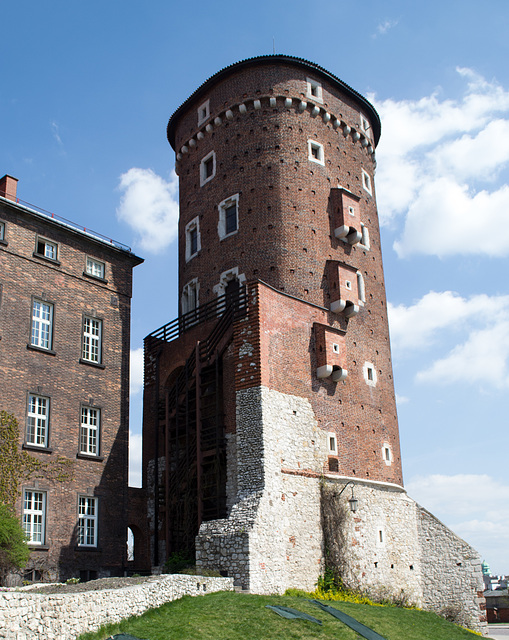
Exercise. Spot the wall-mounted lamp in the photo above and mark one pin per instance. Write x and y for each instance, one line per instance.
(353, 500)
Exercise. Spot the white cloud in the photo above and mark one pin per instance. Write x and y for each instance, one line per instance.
(136, 371)
(474, 506)
(384, 27)
(55, 130)
(438, 163)
(135, 459)
(401, 400)
(149, 205)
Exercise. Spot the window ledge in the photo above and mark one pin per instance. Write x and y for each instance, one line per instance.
(84, 548)
(37, 547)
(96, 278)
(33, 347)
(98, 365)
(50, 260)
(229, 235)
(34, 447)
(89, 456)
(4, 242)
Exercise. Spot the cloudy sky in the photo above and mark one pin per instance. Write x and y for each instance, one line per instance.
(85, 96)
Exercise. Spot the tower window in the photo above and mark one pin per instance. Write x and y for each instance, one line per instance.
(366, 182)
(207, 168)
(365, 126)
(387, 454)
(193, 238)
(315, 152)
(190, 296)
(228, 217)
(369, 374)
(314, 90)
(333, 443)
(365, 236)
(203, 112)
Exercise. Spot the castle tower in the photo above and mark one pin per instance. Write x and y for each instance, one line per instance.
(273, 392)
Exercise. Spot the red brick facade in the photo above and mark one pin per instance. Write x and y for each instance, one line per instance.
(73, 380)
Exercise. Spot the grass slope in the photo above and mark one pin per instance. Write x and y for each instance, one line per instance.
(232, 616)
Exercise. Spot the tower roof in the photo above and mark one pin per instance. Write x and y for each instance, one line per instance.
(269, 59)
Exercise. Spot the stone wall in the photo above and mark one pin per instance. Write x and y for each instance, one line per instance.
(28, 615)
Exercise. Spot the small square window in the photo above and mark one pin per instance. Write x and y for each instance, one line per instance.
(315, 152)
(207, 168)
(348, 285)
(95, 268)
(314, 90)
(335, 347)
(46, 249)
(366, 182)
(351, 210)
(203, 112)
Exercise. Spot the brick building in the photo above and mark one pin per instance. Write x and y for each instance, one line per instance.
(269, 404)
(65, 296)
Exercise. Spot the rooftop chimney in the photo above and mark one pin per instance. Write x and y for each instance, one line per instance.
(8, 186)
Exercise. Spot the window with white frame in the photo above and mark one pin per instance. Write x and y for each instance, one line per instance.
(314, 90)
(361, 288)
(315, 152)
(42, 325)
(333, 443)
(387, 454)
(193, 238)
(46, 249)
(365, 126)
(203, 112)
(37, 421)
(364, 236)
(94, 268)
(34, 516)
(190, 296)
(207, 168)
(87, 521)
(369, 373)
(92, 339)
(90, 426)
(366, 182)
(228, 217)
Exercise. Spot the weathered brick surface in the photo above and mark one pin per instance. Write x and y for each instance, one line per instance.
(67, 382)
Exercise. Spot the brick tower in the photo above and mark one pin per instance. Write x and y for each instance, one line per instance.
(272, 392)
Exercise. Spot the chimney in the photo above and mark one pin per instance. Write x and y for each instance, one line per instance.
(8, 186)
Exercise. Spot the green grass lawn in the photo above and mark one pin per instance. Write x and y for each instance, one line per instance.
(232, 616)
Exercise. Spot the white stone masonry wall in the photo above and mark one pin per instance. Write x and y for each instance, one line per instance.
(29, 616)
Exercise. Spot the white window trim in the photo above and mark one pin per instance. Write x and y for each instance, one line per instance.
(91, 345)
(41, 333)
(230, 274)
(48, 244)
(365, 237)
(95, 268)
(203, 112)
(361, 288)
(192, 285)
(90, 431)
(369, 366)
(363, 122)
(313, 144)
(367, 182)
(33, 518)
(333, 450)
(387, 454)
(221, 225)
(203, 177)
(190, 226)
(87, 522)
(314, 84)
(37, 421)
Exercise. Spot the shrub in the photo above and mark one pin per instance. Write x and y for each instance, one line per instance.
(14, 552)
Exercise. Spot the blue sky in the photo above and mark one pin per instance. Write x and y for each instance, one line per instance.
(86, 91)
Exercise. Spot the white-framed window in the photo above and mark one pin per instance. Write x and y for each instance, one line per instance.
(94, 268)
(361, 288)
(387, 454)
(90, 429)
(190, 292)
(34, 516)
(203, 112)
(365, 126)
(193, 238)
(228, 217)
(332, 443)
(46, 248)
(364, 236)
(207, 168)
(92, 340)
(314, 90)
(87, 521)
(315, 152)
(366, 182)
(369, 373)
(351, 210)
(335, 347)
(42, 325)
(37, 421)
(348, 285)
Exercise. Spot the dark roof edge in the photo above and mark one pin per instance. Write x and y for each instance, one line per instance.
(249, 62)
